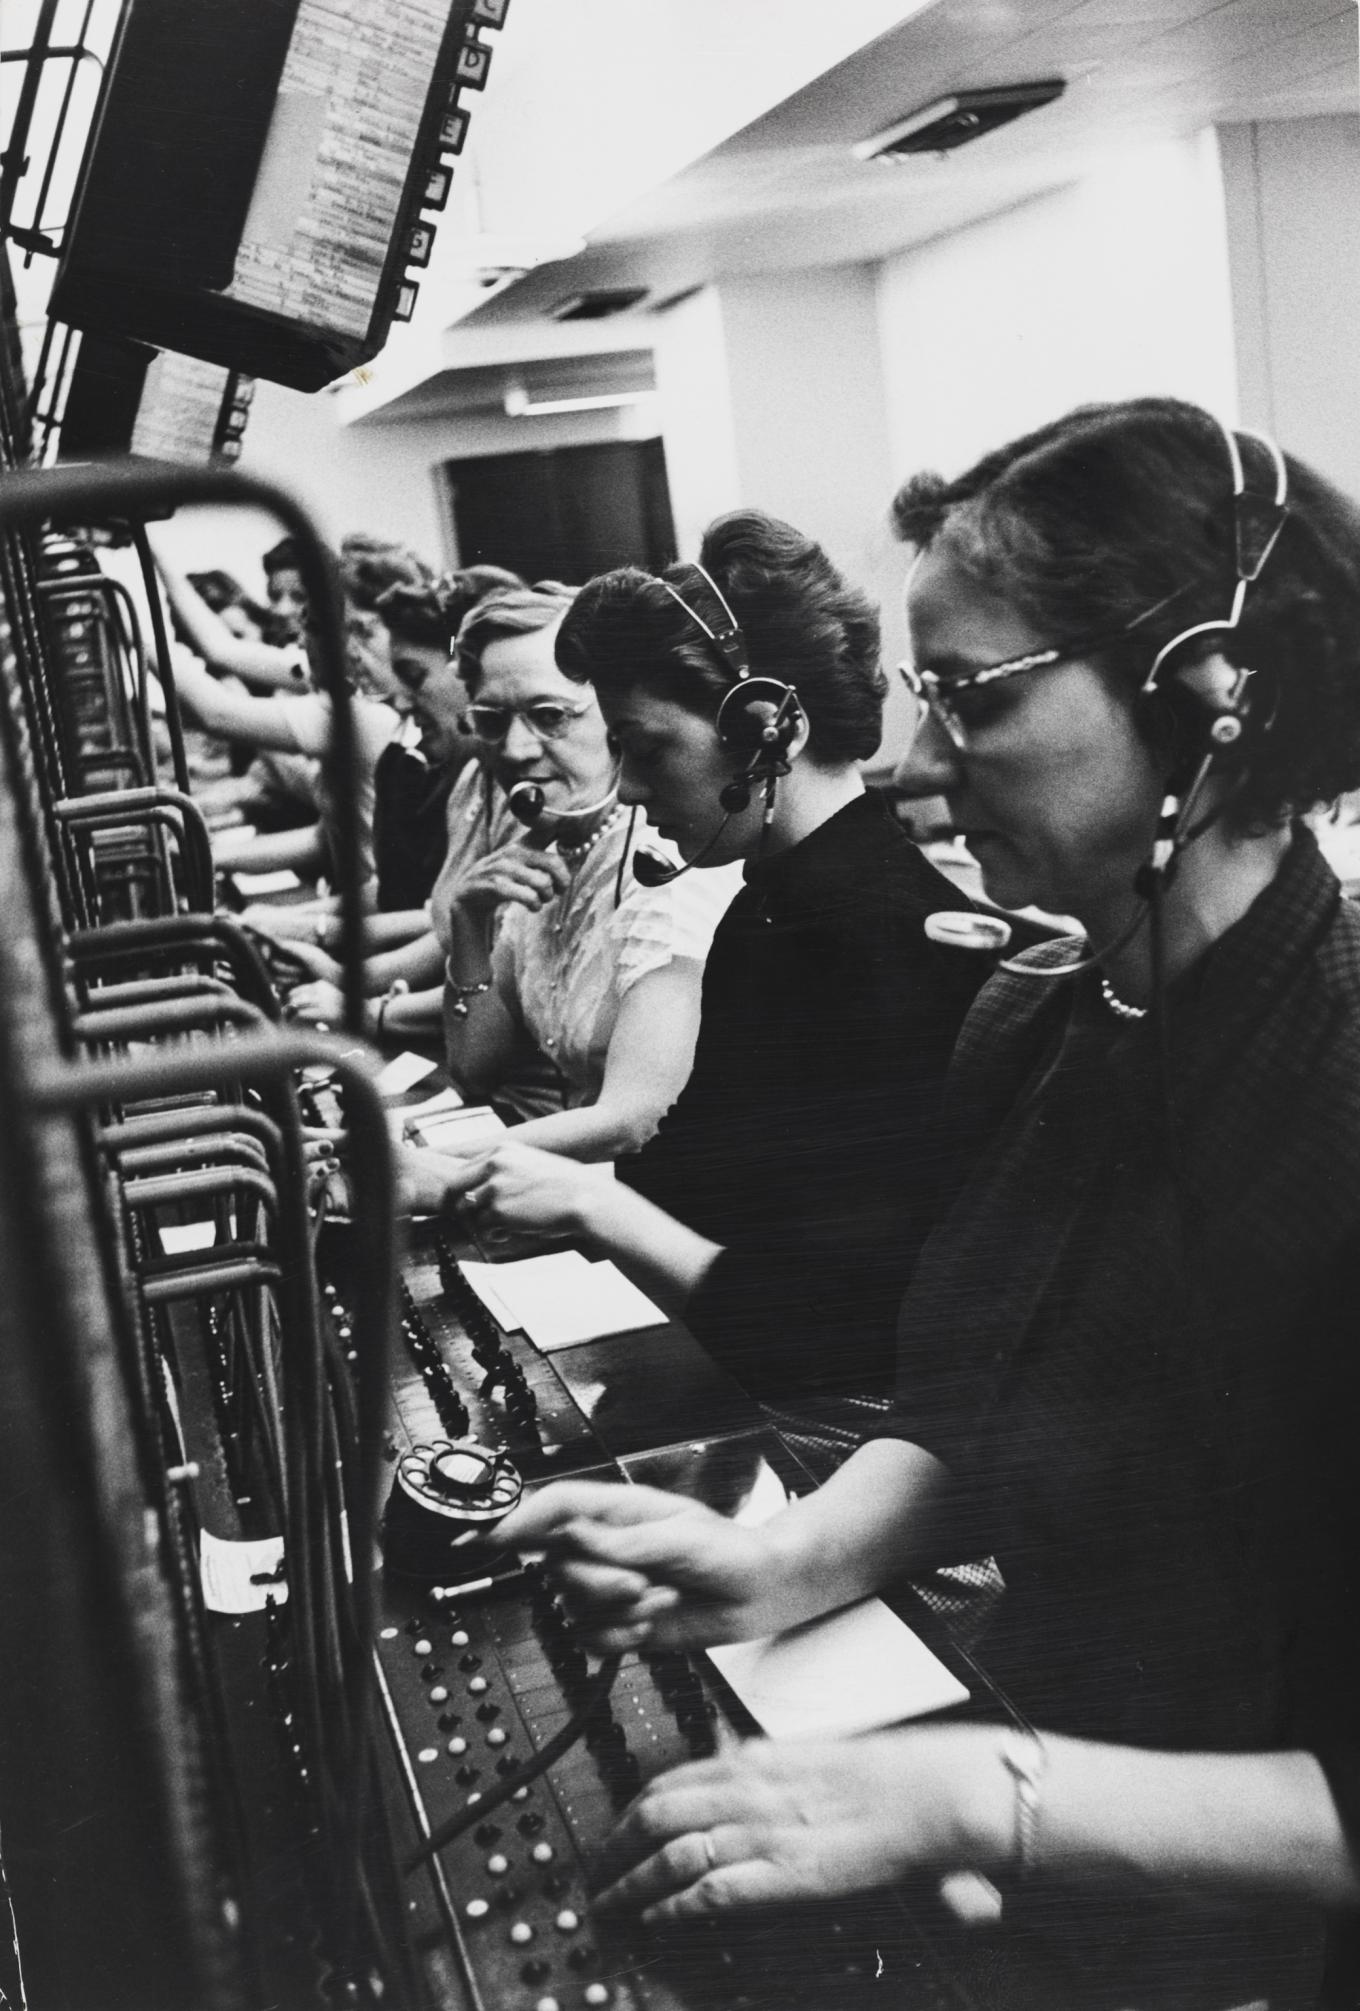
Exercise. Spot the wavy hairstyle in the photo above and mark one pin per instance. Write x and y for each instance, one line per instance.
(1094, 519)
(517, 610)
(432, 612)
(802, 620)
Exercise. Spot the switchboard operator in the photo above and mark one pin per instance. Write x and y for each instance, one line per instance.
(1128, 1363)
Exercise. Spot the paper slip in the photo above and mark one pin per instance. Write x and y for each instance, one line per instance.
(560, 1300)
(473, 1129)
(482, 1278)
(229, 1572)
(177, 1237)
(403, 1072)
(282, 881)
(852, 1671)
(447, 1099)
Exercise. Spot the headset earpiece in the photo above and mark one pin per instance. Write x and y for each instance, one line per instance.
(758, 719)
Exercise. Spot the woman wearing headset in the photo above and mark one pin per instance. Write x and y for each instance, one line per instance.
(787, 1189)
(1128, 1352)
(552, 949)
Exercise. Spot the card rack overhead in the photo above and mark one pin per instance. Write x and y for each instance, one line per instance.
(259, 181)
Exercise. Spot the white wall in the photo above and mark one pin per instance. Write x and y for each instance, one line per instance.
(1292, 192)
(698, 426)
(381, 476)
(771, 395)
(1112, 288)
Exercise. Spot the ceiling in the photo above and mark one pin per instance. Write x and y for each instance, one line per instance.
(787, 190)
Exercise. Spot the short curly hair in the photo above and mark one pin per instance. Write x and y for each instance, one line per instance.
(1095, 519)
(517, 610)
(432, 611)
(803, 622)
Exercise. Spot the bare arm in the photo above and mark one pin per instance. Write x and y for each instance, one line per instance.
(260, 663)
(779, 1821)
(234, 714)
(642, 1566)
(651, 1052)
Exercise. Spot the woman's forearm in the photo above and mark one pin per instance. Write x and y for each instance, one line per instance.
(663, 1257)
(1263, 1821)
(1244, 1822)
(881, 1516)
(420, 962)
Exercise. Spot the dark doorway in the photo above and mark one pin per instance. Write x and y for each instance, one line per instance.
(564, 513)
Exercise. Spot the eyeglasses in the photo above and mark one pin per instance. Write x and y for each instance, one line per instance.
(546, 719)
(953, 700)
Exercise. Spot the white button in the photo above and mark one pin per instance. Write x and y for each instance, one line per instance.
(388, 1634)
(423, 1647)
(457, 1747)
(521, 1933)
(477, 1909)
(439, 1695)
(597, 1993)
(543, 1853)
(427, 1754)
(477, 1685)
(567, 1922)
(547, 2004)
(498, 1865)
(459, 1637)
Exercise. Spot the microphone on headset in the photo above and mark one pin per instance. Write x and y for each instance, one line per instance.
(527, 802)
(651, 870)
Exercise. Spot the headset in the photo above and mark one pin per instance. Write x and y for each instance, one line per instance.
(757, 720)
(527, 803)
(1206, 702)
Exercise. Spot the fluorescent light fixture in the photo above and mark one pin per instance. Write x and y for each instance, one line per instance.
(519, 405)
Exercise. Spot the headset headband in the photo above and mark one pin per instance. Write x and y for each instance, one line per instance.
(1258, 519)
(721, 626)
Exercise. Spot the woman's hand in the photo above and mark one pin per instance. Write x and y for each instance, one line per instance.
(518, 1187)
(636, 1565)
(318, 1004)
(513, 874)
(311, 958)
(290, 925)
(770, 1823)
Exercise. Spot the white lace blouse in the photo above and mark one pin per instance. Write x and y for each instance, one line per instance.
(564, 970)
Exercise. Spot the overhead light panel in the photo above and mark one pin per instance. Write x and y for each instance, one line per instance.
(519, 405)
(947, 123)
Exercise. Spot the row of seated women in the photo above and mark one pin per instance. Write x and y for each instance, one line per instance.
(1115, 1194)
(1121, 1218)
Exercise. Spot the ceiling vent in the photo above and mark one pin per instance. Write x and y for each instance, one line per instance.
(598, 304)
(951, 122)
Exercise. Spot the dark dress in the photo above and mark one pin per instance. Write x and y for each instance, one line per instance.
(1140, 1362)
(801, 1140)
(410, 831)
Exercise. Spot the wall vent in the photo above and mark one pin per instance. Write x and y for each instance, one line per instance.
(598, 304)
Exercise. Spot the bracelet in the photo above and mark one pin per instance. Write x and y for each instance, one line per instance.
(396, 990)
(458, 1004)
(1025, 1757)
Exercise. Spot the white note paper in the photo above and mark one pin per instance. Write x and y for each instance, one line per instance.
(403, 1072)
(852, 1671)
(560, 1300)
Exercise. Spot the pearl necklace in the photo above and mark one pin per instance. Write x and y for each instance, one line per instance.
(1118, 1006)
(574, 855)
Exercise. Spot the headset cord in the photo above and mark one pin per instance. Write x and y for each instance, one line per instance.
(601, 1683)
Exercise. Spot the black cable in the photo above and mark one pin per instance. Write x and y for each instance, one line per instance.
(601, 1683)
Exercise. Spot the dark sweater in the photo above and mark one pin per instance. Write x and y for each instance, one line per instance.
(1147, 1384)
(800, 1141)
